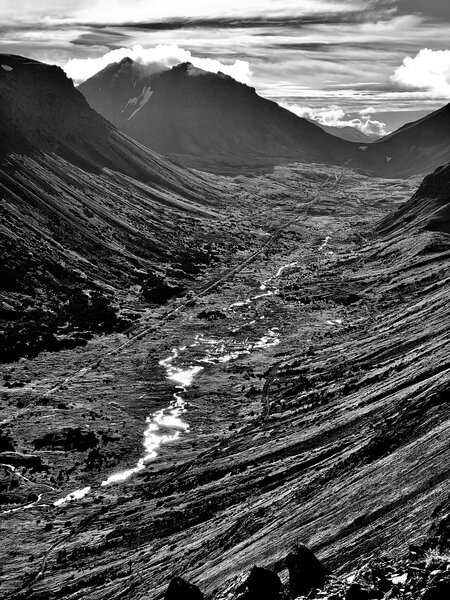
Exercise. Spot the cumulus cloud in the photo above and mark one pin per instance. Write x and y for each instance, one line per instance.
(429, 70)
(157, 58)
(335, 116)
(367, 111)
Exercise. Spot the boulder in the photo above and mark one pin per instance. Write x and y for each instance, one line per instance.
(179, 589)
(356, 592)
(440, 591)
(306, 572)
(262, 584)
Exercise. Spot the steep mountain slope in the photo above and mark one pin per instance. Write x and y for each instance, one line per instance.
(205, 120)
(416, 148)
(84, 207)
(429, 208)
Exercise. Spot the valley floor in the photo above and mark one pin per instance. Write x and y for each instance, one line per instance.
(299, 400)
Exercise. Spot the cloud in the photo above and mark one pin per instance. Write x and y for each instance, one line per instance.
(118, 11)
(335, 116)
(159, 57)
(439, 9)
(102, 37)
(429, 70)
(367, 111)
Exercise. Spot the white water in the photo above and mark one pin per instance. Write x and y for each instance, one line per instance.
(13, 510)
(278, 274)
(166, 425)
(76, 495)
(31, 504)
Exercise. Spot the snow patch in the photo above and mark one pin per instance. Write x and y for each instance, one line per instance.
(131, 102)
(7, 68)
(145, 96)
(325, 243)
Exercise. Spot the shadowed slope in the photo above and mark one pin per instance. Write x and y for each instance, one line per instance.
(428, 209)
(416, 148)
(83, 205)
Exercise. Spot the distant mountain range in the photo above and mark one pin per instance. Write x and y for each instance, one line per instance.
(205, 120)
(348, 133)
(212, 122)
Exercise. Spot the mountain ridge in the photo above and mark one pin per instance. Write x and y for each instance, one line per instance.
(206, 120)
(214, 123)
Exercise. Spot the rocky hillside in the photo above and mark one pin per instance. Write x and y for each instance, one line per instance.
(205, 120)
(428, 209)
(416, 148)
(86, 211)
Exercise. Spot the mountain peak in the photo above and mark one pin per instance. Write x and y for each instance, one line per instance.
(190, 69)
(184, 66)
(127, 61)
(207, 119)
(39, 107)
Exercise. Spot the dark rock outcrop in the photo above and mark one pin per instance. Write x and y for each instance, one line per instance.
(67, 439)
(306, 572)
(440, 591)
(17, 459)
(6, 442)
(158, 289)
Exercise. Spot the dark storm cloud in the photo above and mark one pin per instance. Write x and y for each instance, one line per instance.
(105, 38)
(288, 22)
(336, 46)
(436, 9)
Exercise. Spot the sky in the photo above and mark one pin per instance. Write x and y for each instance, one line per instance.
(370, 64)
